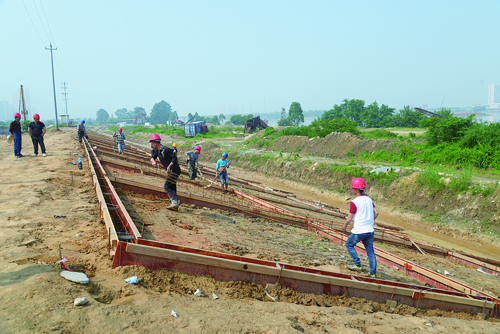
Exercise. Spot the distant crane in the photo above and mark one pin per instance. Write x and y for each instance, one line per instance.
(283, 113)
(24, 112)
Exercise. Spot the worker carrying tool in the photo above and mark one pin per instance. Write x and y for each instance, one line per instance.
(363, 212)
(169, 161)
(120, 141)
(81, 131)
(174, 148)
(221, 167)
(36, 130)
(15, 131)
(192, 161)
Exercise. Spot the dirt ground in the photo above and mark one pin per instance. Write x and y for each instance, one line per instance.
(47, 201)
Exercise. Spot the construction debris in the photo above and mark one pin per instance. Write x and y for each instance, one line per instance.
(75, 277)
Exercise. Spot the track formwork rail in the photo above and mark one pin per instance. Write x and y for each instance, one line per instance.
(119, 224)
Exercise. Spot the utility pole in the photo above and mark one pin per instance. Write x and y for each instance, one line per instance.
(53, 82)
(66, 100)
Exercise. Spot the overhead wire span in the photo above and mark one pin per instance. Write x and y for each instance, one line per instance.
(27, 12)
(40, 18)
(51, 37)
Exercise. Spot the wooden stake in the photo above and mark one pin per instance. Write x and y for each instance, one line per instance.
(60, 257)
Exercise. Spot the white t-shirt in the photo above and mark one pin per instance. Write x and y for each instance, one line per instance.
(364, 218)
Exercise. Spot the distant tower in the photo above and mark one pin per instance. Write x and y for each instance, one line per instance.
(493, 95)
(283, 113)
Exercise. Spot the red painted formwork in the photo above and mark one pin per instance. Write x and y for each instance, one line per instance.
(373, 290)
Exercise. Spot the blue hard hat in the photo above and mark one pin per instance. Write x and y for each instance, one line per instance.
(83, 121)
(225, 155)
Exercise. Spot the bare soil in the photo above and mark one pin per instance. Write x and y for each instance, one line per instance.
(35, 298)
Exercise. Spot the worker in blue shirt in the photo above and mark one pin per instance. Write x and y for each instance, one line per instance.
(221, 167)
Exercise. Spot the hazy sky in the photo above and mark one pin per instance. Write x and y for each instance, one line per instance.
(210, 56)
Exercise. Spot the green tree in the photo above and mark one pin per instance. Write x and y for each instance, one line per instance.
(222, 118)
(409, 118)
(445, 112)
(238, 119)
(173, 116)
(139, 111)
(296, 114)
(160, 112)
(121, 113)
(101, 116)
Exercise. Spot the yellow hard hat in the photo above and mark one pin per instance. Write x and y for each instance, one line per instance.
(174, 145)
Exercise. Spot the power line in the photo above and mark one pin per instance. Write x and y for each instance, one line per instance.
(43, 9)
(32, 23)
(43, 26)
(58, 61)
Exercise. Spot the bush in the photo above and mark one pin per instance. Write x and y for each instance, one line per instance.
(447, 129)
(431, 178)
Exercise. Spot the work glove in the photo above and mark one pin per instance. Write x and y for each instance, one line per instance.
(187, 161)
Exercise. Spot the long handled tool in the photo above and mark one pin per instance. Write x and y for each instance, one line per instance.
(216, 176)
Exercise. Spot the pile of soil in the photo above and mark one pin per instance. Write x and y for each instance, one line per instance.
(336, 144)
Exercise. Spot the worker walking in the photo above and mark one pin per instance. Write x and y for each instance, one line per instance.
(174, 148)
(363, 212)
(120, 141)
(15, 131)
(36, 130)
(81, 131)
(221, 167)
(169, 161)
(192, 161)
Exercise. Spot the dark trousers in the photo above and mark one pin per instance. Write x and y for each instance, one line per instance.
(171, 183)
(36, 141)
(17, 143)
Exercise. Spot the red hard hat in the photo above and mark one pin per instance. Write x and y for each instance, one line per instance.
(154, 137)
(17, 114)
(198, 148)
(36, 116)
(358, 183)
(120, 129)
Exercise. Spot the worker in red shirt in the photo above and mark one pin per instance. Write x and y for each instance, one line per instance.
(363, 212)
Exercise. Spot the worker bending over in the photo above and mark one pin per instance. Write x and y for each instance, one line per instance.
(120, 141)
(221, 167)
(364, 213)
(169, 161)
(36, 130)
(192, 161)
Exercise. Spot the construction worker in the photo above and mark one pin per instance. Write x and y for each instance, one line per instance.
(81, 131)
(169, 161)
(174, 148)
(36, 130)
(192, 161)
(221, 167)
(120, 141)
(15, 131)
(363, 212)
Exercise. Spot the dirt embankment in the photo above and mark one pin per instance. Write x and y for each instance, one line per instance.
(336, 144)
(471, 213)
